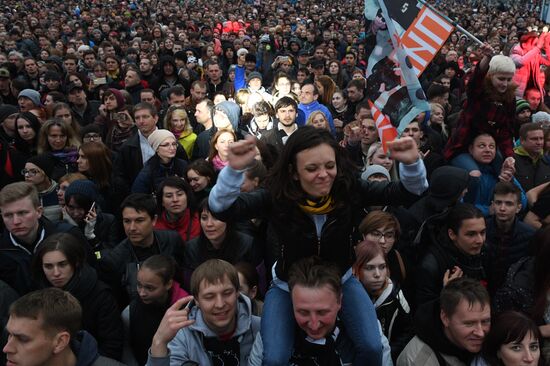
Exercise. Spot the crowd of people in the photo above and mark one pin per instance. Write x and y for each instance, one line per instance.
(199, 183)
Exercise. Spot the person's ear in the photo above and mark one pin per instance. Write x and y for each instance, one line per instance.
(40, 211)
(154, 220)
(169, 285)
(444, 319)
(61, 341)
(253, 292)
(451, 234)
(256, 182)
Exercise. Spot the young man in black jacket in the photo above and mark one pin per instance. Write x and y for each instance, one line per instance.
(508, 237)
(25, 229)
(44, 328)
(119, 266)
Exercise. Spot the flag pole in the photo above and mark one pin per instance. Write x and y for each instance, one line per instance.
(453, 22)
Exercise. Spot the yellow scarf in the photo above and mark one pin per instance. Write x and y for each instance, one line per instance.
(321, 207)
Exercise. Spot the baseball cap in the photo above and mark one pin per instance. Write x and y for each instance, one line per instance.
(4, 73)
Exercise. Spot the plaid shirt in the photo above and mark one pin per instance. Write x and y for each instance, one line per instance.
(482, 115)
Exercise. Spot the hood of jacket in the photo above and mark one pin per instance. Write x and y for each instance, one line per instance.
(84, 347)
(520, 150)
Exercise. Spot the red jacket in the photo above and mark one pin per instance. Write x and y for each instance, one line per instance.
(484, 112)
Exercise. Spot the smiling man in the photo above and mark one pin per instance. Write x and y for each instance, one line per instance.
(217, 328)
(321, 338)
(450, 331)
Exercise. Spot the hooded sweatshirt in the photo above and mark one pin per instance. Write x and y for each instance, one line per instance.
(189, 343)
(84, 347)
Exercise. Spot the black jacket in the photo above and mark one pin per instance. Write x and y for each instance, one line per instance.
(503, 251)
(90, 113)
(100, 314)
(530, 175)
(15, 260)
(129, 163)
(154, 172)
(394, 314)
(292, 234)
(237, 247)
(441, 255)
(518, 291)
(118, 266)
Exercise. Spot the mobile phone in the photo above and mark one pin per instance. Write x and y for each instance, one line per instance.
(188, 306)
(100, 81)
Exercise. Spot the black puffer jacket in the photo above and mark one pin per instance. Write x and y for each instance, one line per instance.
(15, 260)
(518, 291)
(118, 266)
(292, 234)
(235, 248)
(441, 255)
(394, 314)
(100, 314)
(504, 251)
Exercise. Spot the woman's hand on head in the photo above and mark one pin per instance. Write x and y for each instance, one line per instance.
(242, 153)
(404, 150)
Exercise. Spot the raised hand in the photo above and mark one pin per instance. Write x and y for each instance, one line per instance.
(451, 274)
(508, 170)
(487, 50)
(404, 150)
(242, 153)
(175, 318)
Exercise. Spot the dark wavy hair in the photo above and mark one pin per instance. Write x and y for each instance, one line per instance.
(508, 327)
(281, 181)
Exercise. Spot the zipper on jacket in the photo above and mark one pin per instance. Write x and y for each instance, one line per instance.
(319, 237)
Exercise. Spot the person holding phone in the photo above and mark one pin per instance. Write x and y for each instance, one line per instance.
(217, 325)
(81, 210)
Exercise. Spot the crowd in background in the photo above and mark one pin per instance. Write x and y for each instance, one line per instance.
(141, 140)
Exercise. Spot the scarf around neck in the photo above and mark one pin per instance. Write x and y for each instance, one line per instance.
(321, 206)
(218, 163)
(68, 155)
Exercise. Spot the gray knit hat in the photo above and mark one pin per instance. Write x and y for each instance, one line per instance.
(32, 95)
(158, 136)
(501, 64)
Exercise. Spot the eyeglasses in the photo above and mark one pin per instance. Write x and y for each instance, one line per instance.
(92, 136)
(30, 172)
(169, 144)
(388, 235)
